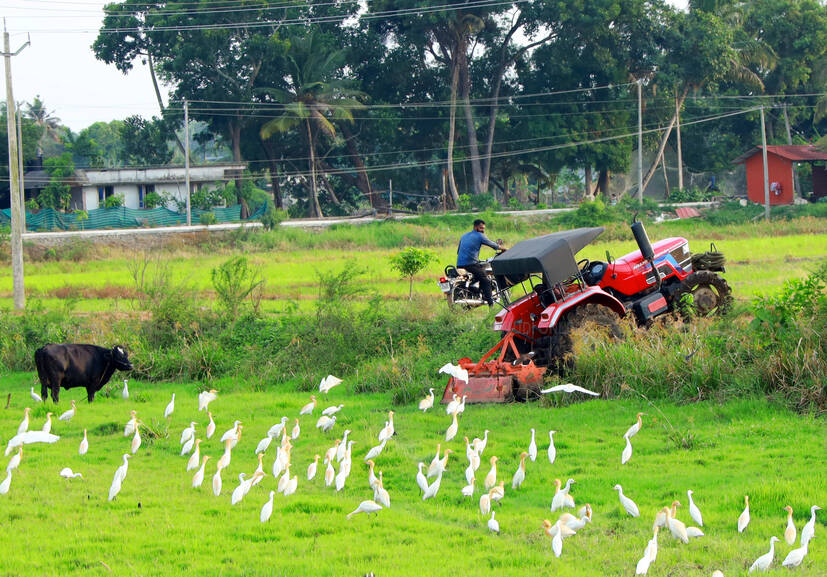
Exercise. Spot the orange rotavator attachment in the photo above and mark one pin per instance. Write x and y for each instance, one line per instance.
(497, 380)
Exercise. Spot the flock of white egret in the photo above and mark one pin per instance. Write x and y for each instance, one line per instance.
(339, 455)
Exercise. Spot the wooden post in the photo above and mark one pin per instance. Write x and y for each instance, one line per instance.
(680, 152)
(766, 167)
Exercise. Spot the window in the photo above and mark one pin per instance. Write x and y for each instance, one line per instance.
(140, 196)
(100, 194)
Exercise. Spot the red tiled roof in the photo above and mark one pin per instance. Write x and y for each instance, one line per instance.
(687, 212)
(794, 152)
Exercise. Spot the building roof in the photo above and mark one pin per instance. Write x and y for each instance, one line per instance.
(793, 152)
(143, 175)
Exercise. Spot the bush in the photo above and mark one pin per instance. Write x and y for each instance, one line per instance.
(234, 282)
(464, 204)
(273, 218)
(410, 262)
(113, 201)
(207, 218)
(154, 200)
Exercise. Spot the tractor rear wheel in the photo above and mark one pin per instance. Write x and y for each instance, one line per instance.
(711, 294)
(583, 326)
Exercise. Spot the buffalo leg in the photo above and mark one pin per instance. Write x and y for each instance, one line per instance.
(90, 395)
(44, 394)
(55, 393)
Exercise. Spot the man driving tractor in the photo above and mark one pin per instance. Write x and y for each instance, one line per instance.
(468, 253)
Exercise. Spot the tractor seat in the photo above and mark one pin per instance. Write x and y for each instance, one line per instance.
(544, 294)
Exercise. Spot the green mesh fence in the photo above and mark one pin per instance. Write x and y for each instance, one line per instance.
(49, 219)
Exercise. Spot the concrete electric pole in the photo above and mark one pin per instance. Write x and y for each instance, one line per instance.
(15, 195)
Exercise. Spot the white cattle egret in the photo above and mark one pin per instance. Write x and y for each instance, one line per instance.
(468, 490)
(388, 431)
(341, 477)
(329, 474)
(330, 411)
(186, 448)
(35, 397)
(372, 478)
(330, 454)
(296, 431)
(129, 428)
(226, 456)
(67, 416)
(498, 492)
(764, 561)
(136, 441)
(4, 486)
(519, 474)
(575, 523)
(627, 452)
(328, 383)
(365, 507)
(264, 444)
(809, 529)
(67, 473)
(642, 566)
(790, 532)
(381, 495)
(170, 407)
(485, 504)
(375, 451)
(717, 573)
(308, 408)
(458, 373)
(115, 487)
(243, 487)
(188, 433)
(557, 541)
(428, 401)
(452, 429)
(480, 444)
(652, 546)
(278, 428)
(433, 468)
(677, 528)
(210, 426)
(693, 532)
(198, 478)
(743, 518)
(326, 423)
(569, 388)
(124, 468)
(24, 424)
(341, 449)
(216, 482)
(795, 557)
(491, 477)
(125, 392)
(259, 474)
(195, 457)
(635, 429)
(283, 480)
(461, 406)
(291, 487)
(28, 438)
(629, 505)
(532, 448)
(552, 451)
(561, 496)
(47, 426)
(433, 488)
(451, 407)
(205, 398)
(267, 509)
(312, 467)
(694, 512)
(14, 462)
(493, 525)
(230, 433)
(421, 480)
(84, 444)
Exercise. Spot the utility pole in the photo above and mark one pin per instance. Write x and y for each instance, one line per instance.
(796, 185)
(680, 152)
(390, 197)
(766, 167)
(20, 167)
(14, 192)
(187, 159)
(639, 140)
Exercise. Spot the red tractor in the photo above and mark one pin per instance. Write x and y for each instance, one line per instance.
(565, 295)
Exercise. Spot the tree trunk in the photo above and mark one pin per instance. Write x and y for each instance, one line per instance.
(665, 178)
(470, 126)
(452, 119)
(587, 184)
(663, 140)
(603, 181)
(362, 174)
(796, 184)
(235, 136)
(329, 188)
(274, 173)
(314, 209)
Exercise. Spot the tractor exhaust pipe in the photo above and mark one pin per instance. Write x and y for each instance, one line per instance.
(645, 246)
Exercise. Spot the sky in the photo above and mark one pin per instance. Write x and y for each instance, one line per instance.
(60, 66)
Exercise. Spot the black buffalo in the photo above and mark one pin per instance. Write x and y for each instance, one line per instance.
(71, 366)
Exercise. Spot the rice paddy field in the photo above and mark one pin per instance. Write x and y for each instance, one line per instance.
(159, 525)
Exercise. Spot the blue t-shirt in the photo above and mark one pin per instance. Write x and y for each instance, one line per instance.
(468, 251)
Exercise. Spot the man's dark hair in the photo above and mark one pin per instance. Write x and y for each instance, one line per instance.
(478, 222)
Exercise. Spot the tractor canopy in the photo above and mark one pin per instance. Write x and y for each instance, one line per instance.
(552, 255)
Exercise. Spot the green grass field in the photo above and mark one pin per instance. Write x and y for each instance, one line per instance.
(159, 525)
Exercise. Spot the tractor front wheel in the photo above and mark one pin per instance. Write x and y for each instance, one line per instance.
(583, 326)
(711, 294)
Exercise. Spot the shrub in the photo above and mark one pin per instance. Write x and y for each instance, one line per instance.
(207, 218)
(154, 200)
(464, 204)
(234, 282)
(113, 201)
(410, 262)
(273, 217)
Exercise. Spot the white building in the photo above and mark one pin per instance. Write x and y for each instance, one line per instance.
(93, 186)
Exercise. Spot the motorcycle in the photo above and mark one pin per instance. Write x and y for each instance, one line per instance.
(462, 289)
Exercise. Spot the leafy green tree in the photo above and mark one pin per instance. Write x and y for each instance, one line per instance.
(31, 133)
(411, 262)
(85, 150)
(47, 121)
(58, 193)
(315, 98)
(144, 142)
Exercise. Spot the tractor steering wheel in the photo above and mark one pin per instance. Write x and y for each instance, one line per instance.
(583, 264)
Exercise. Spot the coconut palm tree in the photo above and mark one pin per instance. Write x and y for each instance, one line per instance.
(41, 116)
(316, 96)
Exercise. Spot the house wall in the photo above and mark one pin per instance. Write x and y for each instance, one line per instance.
(780, 170)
